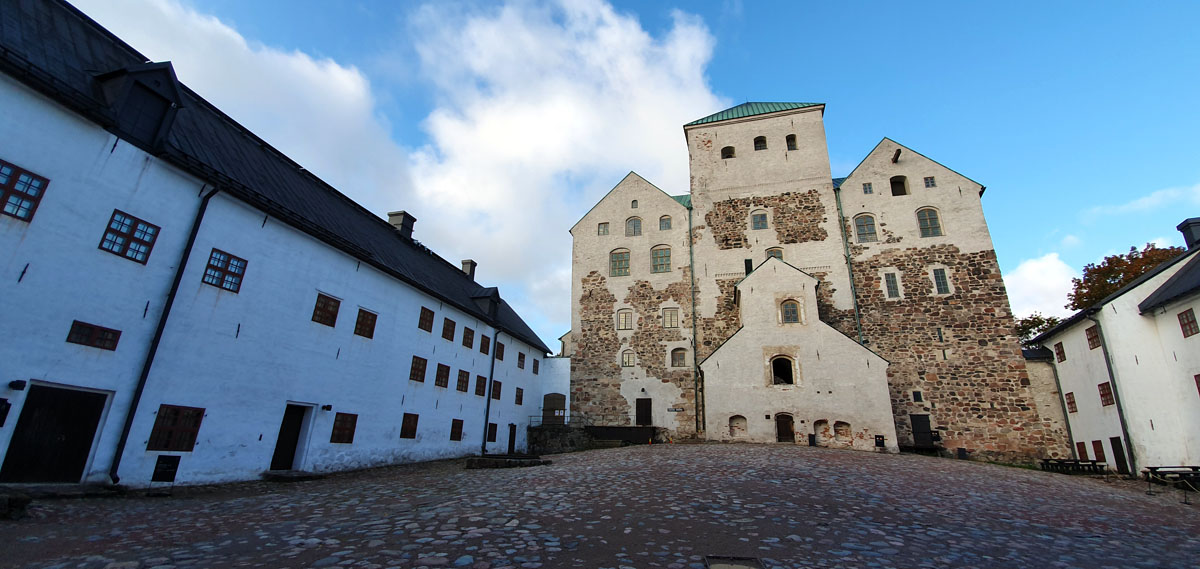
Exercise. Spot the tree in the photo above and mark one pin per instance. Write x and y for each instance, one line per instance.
(1114, 272)
(1030, 326)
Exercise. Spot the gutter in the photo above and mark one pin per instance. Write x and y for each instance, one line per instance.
(837, 194)
(158, 333)
(1112, 380)
(697, 388)
(487, 404)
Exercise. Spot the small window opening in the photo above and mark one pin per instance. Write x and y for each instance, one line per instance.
(758, 220)
(791, 142)
(781, 371)
(664, 223)
(633, 227)
(790, 312)
(760, 143)
(899, 186)
(727, 152)
(633, 204)
(775, 252)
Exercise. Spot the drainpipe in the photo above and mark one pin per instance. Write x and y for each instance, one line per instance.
(837, 194)
(697, 389)
(158, 333)
(1112, 380)
(487, 404)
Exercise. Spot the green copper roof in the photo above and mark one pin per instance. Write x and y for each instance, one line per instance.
(686, 201)
(749, 110)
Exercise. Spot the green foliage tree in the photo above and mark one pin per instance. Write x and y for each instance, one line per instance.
(1030, 326)
(1115, 272)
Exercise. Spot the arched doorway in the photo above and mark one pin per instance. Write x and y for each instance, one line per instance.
(554, 407)
(781, 371)
(822, 433)
(785, 430)
(737, 426)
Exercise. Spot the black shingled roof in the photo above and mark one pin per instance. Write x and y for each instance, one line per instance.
(59, 51)
(1183, 283)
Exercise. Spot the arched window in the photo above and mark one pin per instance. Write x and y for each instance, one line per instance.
(625, 319)
(789, 311)
(775, 252)
(664, 223)
(760, 143)
(864, 228)
(633, 227)
(927, 218)
(618, 263)
(758, 219)
(678, 357)
(660, 259)
(633, 204)
(781, 371)
(899, 186)
(791, 142)
(727, 152)
(627, 358)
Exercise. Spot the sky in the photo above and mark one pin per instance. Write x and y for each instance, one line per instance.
(499, 124)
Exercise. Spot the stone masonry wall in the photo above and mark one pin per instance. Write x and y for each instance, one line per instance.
(650, 338)
(795, 216)
(595, 370)
(712, 332)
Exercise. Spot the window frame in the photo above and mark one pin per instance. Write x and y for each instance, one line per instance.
(500, 351)
(124, 240)
(497, 389)
(931, 224)
(930, 182)
(940, 286)
(783, 311)
(633, 227)
(673, 320)
(364, 325)
(93, 336)
(442, 377)
(165, 436)
(758, 216)
(1069, 397)
(480, 386)
(408, 425)
(1187, 323)
(344, 425)
(468, 338)
(728, 153)
(520, 360)
(325, 310)
(891, 286)
(625, 319)
(456, 429)
(618, 263)
(449, 327)
(1093, 336)
(602, 228)
(519, 398)
(790, 142)
(425, 320)
(776, 252)
(664, 223)
(1106, 394)
(9, 192)
(868, 189)
(627, 358)
(902, 182)
(221, 271)
(418, 369)
(1060, 353)
(760, 143)
(464, 381)
(679, 357)
(491, 432)
(660, 259)
(485, 344)
(863, 222)
(535, 366)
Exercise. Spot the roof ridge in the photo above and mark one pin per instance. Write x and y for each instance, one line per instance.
(749, 109)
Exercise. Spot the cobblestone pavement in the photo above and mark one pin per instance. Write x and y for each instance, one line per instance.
(637, 507)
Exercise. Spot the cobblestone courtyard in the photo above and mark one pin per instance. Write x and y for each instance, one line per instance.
(660, 506)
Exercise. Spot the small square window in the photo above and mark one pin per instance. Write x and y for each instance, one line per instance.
(1059, 353)
(1093, 337)
(660, 260)
(893, 286)
(918, 397)
(408, 427)
(664, 223)
(1187, 323)
(365, 325)
(448, 329)
(417, 371)
(670, 318)
(224, 271)
(442, 377)
(627, 358)
(485, 344)
(929, 183)
(678, 357)
(520, 397)
(491, 436)
(20, 191)
(758, 221)
(520, 360)
(1071, 407)
(480, 385)
(624, 319)
(496, 390)
(939, 281)
(464, 380)
(92, 335)
(468, 340)
(602, 228)
(456, 428)
(343, 428)
(1106, 394)
(535, 366)
(326, 310)
(129, 237)
(867, 188)
(426, 321)
(790, 312)
(500, 351)
(175, 428)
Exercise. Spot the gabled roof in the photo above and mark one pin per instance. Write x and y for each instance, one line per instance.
(838, 181)
(751, 109)
(684, 200)
(1183, 283)
(632, 174)
(59, 51)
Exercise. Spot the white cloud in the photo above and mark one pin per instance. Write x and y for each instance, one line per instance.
(1040, 285)
(1070, 241)
(1169, 197)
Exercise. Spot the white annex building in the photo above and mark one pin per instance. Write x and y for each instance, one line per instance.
(183, 303)
(1129, 368)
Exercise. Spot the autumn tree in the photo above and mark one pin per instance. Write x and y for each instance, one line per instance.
(1114, 272)
(1030, 326)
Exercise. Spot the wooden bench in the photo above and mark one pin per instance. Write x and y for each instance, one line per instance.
(1072, 466)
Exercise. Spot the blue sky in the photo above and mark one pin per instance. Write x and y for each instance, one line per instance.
(499, 124)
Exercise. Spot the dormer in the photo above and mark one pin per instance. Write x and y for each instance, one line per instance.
(488, 300)
(143, 100)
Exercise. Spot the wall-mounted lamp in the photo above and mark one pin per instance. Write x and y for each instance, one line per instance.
(17, 385)
(327, 407)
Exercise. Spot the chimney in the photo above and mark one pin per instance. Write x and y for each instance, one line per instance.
(403, 221)
(1190, 228)
(469, 267)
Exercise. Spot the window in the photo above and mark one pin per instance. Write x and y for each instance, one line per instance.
(224, 270)
(496, 390)
(93, 335)
(790, 311)
(1059, 353)
(520, 360)
(417, 371)
(660, 260)
(1106, 394)
(627, 358)
(326, 310)
(918, 397)
(500, 351)
(520, 397)
(442, 377)
(456, 428)
(760, 143)
(781, 371)
(1187, 323)
(775, 252)
(929, 183)
(864, 229)
(727, 152)
(602, 228)
(664, 223)
(1093, 337)
(633, 204)
(899, 185)
(928, 220)
(464, 380)
(633, 227)
(758, 220)
(480, 385)
(1081, 450)
(365, 325)
(485, 344)
(893, 287)
(625, 319)
(175, 428)
(448, 329)
(670, 318)
(1098, 448)
(939, 281)
(20, 191)
(791, 141)
(867, 188)
(426, 321)
(468, 340)
(535, 366)
(129, 237)
(343, 428)
(618, 263)
(1070, 397)
(678, 357)
(408, 428)
(491, 435)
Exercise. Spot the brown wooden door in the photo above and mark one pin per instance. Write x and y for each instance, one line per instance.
(512, 439)
(922, 434)
(785, 429)
(643, 412)
(1119, 455)
(53, 436)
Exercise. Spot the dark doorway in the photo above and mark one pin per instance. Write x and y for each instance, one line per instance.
(922, 434)
(53, 436)
(643, 412)
(554, 407)
(781, 369)
(785, 430)
(512, 439)
(289, 437)
(1119, 455)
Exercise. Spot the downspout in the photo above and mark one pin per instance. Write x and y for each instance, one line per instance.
(487, 404)
(697, 389)
(837, 194)
(1112, 380)
(158, 333)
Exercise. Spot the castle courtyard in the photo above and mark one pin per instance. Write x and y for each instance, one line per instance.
(648, 506)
